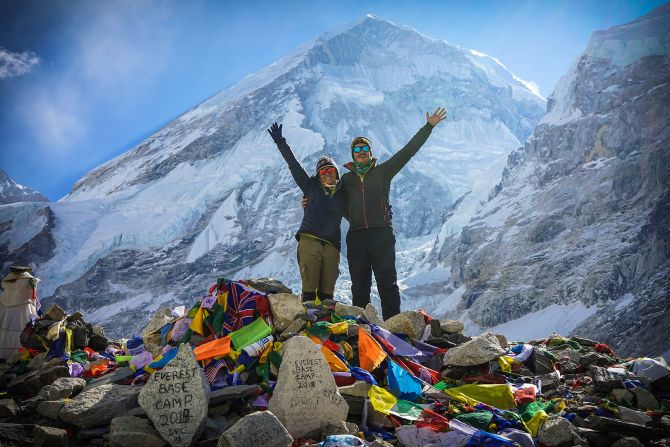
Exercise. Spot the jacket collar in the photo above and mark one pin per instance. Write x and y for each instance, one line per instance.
(350, 165)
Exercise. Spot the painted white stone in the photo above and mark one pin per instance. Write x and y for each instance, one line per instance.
(176, 399)
(306, 397)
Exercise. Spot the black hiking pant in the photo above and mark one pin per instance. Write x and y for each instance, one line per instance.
(373, 250)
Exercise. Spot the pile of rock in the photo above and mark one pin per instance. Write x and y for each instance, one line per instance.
(325, 374)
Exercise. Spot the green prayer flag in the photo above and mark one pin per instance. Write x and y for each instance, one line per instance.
(275, 358)
(250, 333)
(479, 419)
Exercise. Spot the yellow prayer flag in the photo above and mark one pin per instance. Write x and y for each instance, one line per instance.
(381, 400)
(198, 323)
(499, 396)
(222, 299)
(338, 328)
(534, 423)
(505, 363)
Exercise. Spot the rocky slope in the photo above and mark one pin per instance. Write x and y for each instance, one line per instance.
(576, 236)
(12, 192)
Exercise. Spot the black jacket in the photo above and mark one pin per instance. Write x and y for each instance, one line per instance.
(368, 197)
(324, 210)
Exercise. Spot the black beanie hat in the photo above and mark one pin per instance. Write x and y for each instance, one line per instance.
(358, 140)
(325, 162)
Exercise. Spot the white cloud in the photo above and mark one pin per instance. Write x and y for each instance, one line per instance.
(16, 64)
(118, 48)
(56, 116)
(128, 44)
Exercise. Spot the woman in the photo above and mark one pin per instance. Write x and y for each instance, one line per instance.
(319, 233)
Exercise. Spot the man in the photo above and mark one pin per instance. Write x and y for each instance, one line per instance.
(370, 240)
(319, 233)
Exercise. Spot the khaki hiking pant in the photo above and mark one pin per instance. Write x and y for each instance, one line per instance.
(319, 264)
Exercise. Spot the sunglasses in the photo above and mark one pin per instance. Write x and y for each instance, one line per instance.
(325, 171)
(357, 149)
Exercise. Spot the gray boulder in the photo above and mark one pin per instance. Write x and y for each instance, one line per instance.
(556, 431)
(131, 431)
(603, 381)
(345, 309)
(261, 428)
(33, 382)
(636, 417)
(50, 408)
(451, 326)
(268, 285)
(16, 435)
(62, 388)
(479, 350)
(645, 399)
(50, 437)
(8, 408)
(285, 308)
(409, 322)
(339, 428)
(370, 313)
(627, 442)
(98, 406)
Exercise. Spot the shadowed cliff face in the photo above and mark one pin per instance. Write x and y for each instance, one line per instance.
(581, 212)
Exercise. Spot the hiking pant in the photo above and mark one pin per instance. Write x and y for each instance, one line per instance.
(373, 250)
(319, 264)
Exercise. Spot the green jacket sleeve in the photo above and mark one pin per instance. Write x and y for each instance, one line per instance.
(394, 164)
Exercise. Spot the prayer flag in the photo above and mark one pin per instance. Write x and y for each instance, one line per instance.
(370, 354)
(241, 305)
(214, 348)
(250, 333)
(401, 383)
(499, 396)
(400, 347)
(386, 403)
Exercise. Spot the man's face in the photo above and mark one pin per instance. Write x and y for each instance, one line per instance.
(363, 155)
(328, 175)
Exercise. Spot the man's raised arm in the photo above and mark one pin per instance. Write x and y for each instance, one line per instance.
(394, 164)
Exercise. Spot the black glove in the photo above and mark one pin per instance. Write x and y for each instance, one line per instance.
(275, 132)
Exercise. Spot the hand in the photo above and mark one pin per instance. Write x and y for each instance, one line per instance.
(303, 202)
(436, 117)
(275, 132)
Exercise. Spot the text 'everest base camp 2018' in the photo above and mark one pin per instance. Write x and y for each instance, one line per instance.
(531, 241)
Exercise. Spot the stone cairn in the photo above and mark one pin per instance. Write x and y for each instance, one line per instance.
(251, 365)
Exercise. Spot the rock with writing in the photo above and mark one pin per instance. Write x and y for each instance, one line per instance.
(176, 399)
(306, 397)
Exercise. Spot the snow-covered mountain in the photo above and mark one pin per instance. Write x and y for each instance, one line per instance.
(209, 194)
(12, 192)
(576, 236)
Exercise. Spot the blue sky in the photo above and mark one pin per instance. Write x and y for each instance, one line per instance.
(84, 81)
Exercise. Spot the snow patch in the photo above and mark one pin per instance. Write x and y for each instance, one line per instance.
(147, 301)
(450, 302)
(26, 223)
(557, 318)
(625, 301)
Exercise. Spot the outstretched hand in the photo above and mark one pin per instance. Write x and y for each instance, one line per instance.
(437, 116)
(275, 132)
